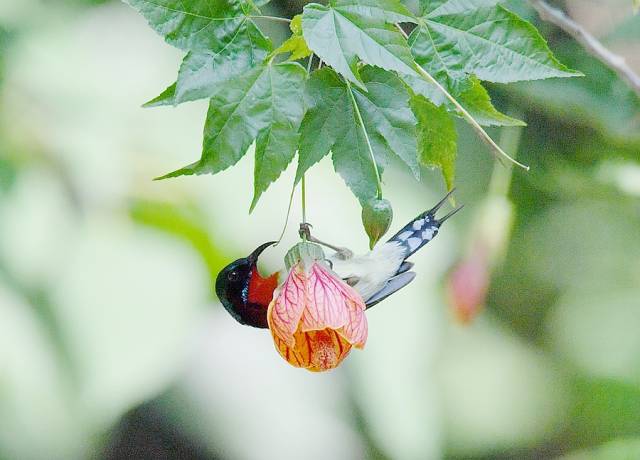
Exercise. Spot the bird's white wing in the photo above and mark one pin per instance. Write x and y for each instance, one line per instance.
(368, 273)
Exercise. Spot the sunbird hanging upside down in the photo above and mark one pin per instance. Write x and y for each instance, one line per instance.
(376, 275)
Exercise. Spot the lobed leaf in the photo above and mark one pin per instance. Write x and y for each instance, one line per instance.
(458, 38)
(202, 72)
(473, 97)
(296, 45)
(392, 11)
(477, 101)
(437, 138)
(439, 7)
(387, 116)
(264, 105)
(332, 124)
(364, 126)
(195, 25)
(347, 31)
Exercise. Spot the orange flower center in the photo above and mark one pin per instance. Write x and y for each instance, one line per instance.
(315, 318)
(323, 354)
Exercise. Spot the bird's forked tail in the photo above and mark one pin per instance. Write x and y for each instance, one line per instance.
(423, 228)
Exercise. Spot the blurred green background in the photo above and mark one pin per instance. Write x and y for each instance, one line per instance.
(112, 344)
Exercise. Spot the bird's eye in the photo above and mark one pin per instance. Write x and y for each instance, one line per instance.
(233, 276)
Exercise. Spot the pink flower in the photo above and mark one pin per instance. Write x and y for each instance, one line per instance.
(467, 287)
(315, 317)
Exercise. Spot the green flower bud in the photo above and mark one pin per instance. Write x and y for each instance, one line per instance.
(377, 215)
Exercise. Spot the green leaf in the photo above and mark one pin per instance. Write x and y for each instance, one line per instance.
(167, 97)
(437, 138)
(296, 45)
(196, 25)
(474, 98)
(258, 3)
(387, 117)
(296, 24)
(346, 31)
(332, 124)
(265, 105)
(392, 11)
(478, 103)
(438, 7)
(426, 55)
(377, 215)
(203, 71)
(459, 38)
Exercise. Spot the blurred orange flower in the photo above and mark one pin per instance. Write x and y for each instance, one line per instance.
(315, 317)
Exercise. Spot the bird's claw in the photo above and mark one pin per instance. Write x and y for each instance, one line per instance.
(342, 253)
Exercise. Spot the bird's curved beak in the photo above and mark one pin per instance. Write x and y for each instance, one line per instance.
(253, 257)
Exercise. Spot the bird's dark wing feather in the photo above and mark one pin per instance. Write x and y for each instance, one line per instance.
(393, 285)
(405, 267)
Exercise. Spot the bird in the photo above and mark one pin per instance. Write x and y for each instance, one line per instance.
(375, 275)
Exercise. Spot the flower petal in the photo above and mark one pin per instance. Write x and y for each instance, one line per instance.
(356, 329)
(316, 351)
(288, 303)
(290, 354)
(326, 306)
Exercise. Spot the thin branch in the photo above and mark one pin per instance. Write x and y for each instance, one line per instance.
(590, 43)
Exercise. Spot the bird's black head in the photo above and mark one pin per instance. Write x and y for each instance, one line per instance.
(233, 286)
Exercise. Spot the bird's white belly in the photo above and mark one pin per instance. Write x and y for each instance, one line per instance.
(370, 272)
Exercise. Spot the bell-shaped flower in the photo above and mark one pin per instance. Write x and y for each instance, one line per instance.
(467, 286)
(315, 318)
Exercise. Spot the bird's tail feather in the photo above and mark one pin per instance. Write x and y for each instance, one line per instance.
(422, 229)
(412, 237)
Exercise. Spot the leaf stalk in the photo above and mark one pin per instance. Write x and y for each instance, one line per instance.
(495, 148)
(366, 136)
(272, 18)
